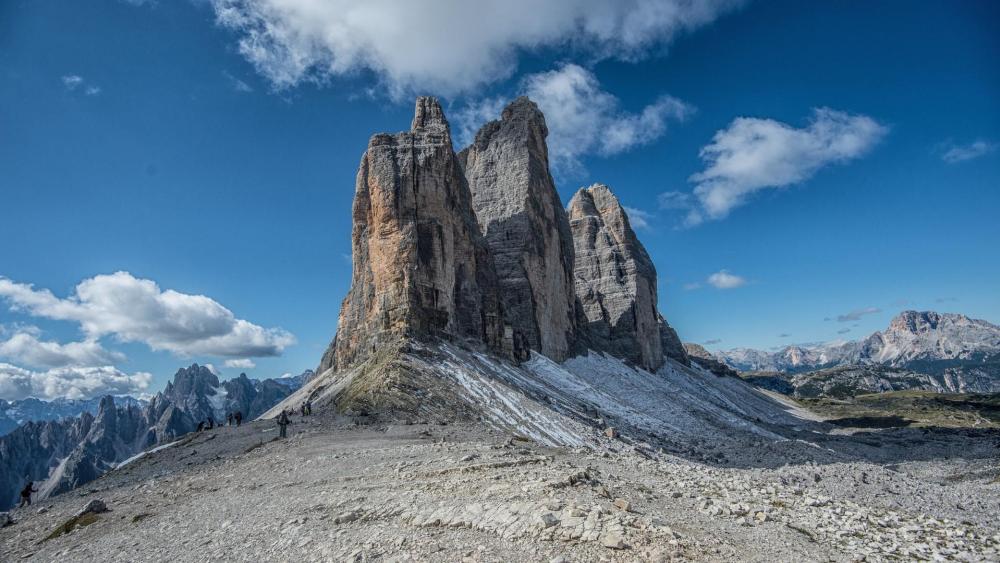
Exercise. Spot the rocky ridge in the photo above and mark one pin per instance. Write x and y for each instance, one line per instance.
(65, 454)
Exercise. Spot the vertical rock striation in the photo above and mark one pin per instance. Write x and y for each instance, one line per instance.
(421, 266)
(526, 227)
(616, 283)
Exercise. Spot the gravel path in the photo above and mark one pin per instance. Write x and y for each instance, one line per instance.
(339, 490)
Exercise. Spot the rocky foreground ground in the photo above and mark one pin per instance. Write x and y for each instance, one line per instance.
(356, 490)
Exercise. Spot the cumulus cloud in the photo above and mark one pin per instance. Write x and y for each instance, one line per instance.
(583, 118)
(953, 153)
(69, 382)
(752, 155)
(724, 280)
(450, 46)
(137, 310)
(240, 363)
(25, 347)
(857, 314)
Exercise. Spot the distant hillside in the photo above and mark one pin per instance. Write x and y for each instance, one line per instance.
(941, 352)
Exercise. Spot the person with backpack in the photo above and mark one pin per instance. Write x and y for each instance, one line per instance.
(239, 418)
(283, 422)
(26, 494)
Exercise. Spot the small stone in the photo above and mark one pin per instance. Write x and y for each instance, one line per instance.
(5, 519)
(622, 504)
(610, 432)
(676, 494)
(546, 519)
(43, 510)
(761, 517)
(613, 541)
(347, 517)
(95, 506)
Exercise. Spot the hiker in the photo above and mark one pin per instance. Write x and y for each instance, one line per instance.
(201, 425)
(26, 494)
(229, 419)
(211, 423)
(283, 423)
(239, 418)
(309, 408)
(302, 409)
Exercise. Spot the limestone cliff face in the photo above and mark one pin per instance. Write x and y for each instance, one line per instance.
(421, 266)
(616, 283)
(526, 227)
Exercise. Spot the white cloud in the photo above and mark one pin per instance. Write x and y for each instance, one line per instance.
(754, 154)
(467, 120)
(69, 382)
(724, 280)
(638, 218)
(449, 46)
(582, 118)
(72, 81)
(960, 153)
(857, 314)
(137, 310)
(24, 347)
(240, 363)
(692, 286)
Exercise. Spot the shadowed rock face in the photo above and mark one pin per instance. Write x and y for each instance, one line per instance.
(526, 227)
(616, 283)
(421, 266)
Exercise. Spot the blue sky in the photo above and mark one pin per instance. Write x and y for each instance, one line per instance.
(820, 160)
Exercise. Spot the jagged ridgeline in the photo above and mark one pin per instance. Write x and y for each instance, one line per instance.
(476, 249)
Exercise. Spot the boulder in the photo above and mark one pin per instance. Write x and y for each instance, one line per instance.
(95, 506)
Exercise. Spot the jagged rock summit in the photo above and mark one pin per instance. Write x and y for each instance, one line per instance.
(525, 225)
(616, 283)
(468, 264)
(421, 267)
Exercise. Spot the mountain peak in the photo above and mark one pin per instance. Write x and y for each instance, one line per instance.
(428, 115)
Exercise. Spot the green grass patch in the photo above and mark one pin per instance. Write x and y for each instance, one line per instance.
(73, 523)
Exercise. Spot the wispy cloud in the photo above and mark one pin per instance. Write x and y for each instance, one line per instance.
(240, 363)
(638, 218)
(952, 153)
(712, 341)
(725, 280)
(74, 82)
(843, 331)
(237, 84)
(857, 314)
(784, 335)
(753, 154)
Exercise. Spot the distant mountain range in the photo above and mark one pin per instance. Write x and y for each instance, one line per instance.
(926, 350)
(64, 451)
(16, 413)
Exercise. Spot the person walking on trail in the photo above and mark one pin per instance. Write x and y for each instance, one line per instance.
(239, 418)
(302, 409)
(309, 408)
(283, 423)
(26, 494)
(229, 419)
